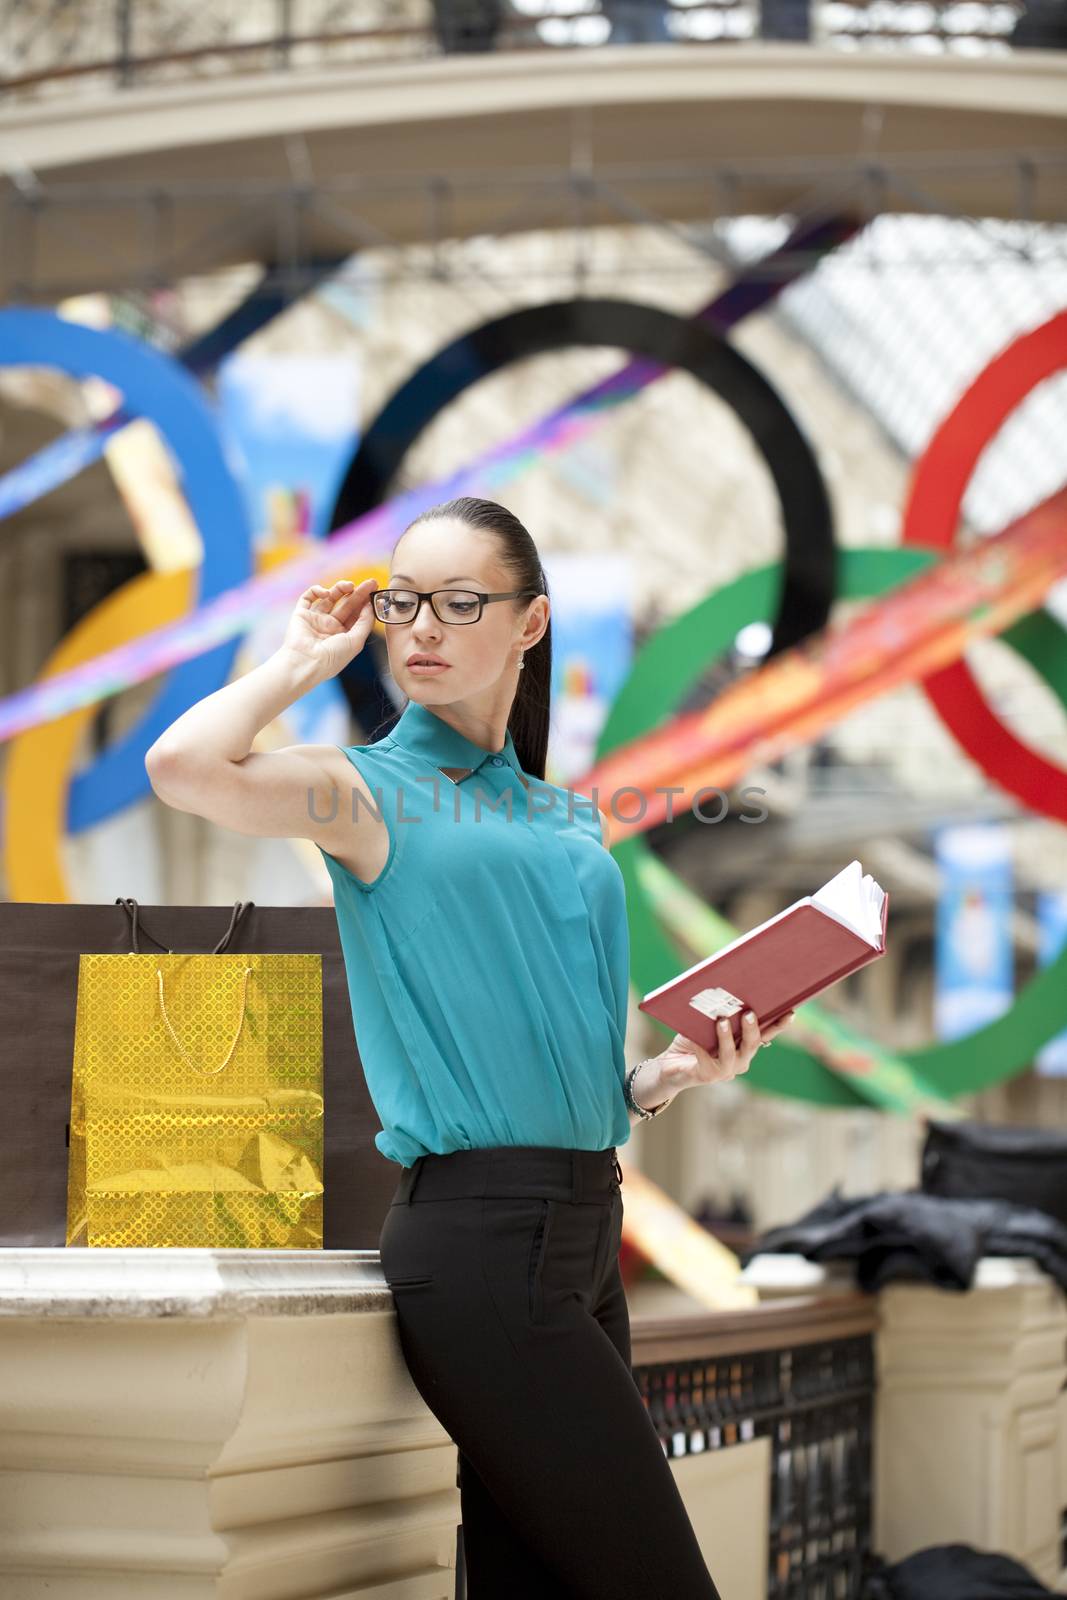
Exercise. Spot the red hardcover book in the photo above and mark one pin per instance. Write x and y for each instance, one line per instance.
(806, 948)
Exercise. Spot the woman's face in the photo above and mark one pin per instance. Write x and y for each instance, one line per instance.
(450, 555)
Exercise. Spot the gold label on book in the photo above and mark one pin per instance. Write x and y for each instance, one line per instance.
(716, 1002)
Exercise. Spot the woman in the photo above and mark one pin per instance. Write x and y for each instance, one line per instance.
(483, 923)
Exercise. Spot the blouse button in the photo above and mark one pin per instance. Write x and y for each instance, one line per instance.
(498, 761)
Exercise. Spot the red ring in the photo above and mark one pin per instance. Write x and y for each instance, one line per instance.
(931, 518)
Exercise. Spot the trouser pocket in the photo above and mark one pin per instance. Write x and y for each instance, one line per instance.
(405, 1253)
(538, 1249)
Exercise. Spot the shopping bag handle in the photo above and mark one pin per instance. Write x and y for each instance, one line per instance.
(133, 910)
(209, 1071)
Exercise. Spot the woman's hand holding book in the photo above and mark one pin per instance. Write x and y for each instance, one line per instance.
(685, 1064)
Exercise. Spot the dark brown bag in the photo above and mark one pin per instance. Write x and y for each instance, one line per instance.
(969, 1160)
(40, 943)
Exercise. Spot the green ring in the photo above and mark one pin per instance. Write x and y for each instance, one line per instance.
(665, 669)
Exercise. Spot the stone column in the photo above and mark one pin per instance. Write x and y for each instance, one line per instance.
(968, 1412)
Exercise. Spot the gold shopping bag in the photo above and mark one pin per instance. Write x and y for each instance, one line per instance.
(197, 1102)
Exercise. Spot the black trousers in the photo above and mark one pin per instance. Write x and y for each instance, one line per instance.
(513, 1322)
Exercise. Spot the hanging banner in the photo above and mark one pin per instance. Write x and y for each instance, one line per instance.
(292, 422)
(1051, 1060)
(973, 955)
(592, 653)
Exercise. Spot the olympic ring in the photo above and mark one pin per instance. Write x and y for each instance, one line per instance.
(156, 387)
(931, 518)
(651, 334)
(37, 777)
(665, 670)
(37, 773)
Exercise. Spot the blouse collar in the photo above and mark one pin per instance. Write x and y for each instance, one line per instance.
(428, 735)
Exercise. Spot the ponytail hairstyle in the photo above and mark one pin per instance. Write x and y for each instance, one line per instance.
(517, 554)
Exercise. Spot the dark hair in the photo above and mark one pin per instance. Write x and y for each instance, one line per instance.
(517, 554)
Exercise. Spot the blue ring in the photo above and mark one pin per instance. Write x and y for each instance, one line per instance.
(156, 387)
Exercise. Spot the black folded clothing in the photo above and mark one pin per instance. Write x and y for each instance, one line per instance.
(906, 1234)
(953, 1572)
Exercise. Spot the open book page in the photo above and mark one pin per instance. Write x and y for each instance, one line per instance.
(851, 897)
(855, 900)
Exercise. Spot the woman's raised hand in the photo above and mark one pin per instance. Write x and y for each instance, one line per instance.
(329, 627)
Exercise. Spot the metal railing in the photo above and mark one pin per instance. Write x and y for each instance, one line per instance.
(50, 45)
(802, 1374)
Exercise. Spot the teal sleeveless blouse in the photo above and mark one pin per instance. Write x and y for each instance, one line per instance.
(488, 962)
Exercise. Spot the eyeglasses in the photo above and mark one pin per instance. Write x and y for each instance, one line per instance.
(457, 606)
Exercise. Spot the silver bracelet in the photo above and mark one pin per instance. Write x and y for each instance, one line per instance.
(644, 1112)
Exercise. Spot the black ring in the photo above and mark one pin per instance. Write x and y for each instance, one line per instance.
(809, 577)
